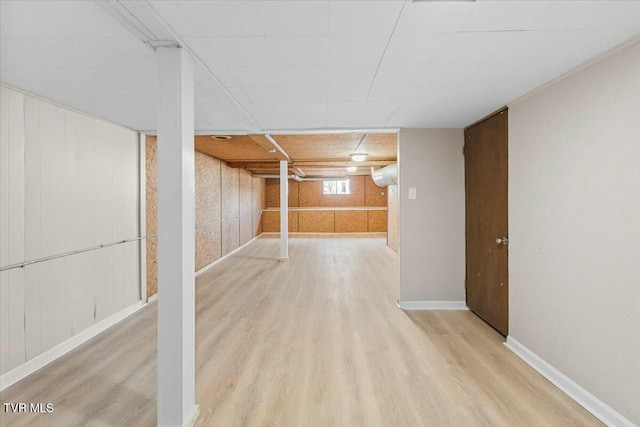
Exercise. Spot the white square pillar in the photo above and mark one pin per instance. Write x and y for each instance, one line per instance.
(284, 210)
(176, 237)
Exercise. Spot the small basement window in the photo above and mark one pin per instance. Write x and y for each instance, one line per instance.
(336, 187)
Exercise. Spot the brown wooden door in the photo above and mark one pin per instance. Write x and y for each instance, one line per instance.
(486, 175)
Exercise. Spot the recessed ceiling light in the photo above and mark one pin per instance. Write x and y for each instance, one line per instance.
(221, 137)
(359, 157)
(271, 150)
(351, 169)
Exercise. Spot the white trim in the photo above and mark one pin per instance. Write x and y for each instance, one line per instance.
(193, 417)
(152, 298)
(222, 258)
(43, 359)
(588, 401)
(432, 305)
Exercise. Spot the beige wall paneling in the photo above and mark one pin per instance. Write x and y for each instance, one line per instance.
(151, 173)
(273, 193)
(246, 202)
(205, 173)
(294, 188)
(204, 246)
(76, 191)
(12, 231)
(230, 235)
(392, 217)
(316, 221)
(374, 195)
(81, 210)
(230, 193)
(432, 240)
(377, 221)
(53, 304)
(271, 221)
(4, 229)
(574, 219)
(32, 229)
(350, 221)
(257, 205)
(105, 215)
(310, 195)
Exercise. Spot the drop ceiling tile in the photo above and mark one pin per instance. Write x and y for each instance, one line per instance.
(308, 107)
(347, 17)
(266, 94)
(345, 107)
(271, 121)
(75, 53)
(504, 15)
(358, 49)
(312, 50)
(400, 75)
(308, 75)
(211, 18)
(381, 108)
(232, 51)
(391, 93)
(225, 75)
(57, 20)
(584, 15)
(313, 120)
(433, 17)
(273, 107)
(293, 18)
(473, 47)
(257, 76)
(348, 94)
(307, 94)
(449, 72)
(352, 75)
(415, 48)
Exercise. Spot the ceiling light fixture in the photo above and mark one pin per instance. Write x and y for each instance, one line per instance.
(351, 168)
(221, 137)
(271, 150)
(359, 157)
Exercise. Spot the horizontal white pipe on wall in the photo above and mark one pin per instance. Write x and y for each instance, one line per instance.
(78, 251)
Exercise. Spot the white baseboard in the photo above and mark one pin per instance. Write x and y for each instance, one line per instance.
(432, 305)
(588, 401)
(193, 417)
(222, 258)
(30, 366)
(153, 297)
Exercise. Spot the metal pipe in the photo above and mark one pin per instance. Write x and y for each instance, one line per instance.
(78, 251)
(301, 179)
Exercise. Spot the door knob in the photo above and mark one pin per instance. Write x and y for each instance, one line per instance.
(502, 241)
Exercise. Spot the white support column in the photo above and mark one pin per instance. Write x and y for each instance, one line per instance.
(284, 210)
(176, 237)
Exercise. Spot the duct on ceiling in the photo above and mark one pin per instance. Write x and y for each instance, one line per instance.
(387, 175)
(301, 179)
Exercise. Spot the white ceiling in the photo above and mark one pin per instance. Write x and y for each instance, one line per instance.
(267, 65)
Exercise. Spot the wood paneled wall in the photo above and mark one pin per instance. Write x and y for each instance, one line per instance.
(308, 195)
(392, 217)
(229, 204)
(68, 182)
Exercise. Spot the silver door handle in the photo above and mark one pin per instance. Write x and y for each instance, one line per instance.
(502, 241)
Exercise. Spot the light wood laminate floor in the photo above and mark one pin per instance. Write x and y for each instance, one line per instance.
(317, 341)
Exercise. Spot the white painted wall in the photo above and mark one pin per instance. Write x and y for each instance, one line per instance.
(67, 182)
(431, 227)
(574, 218)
